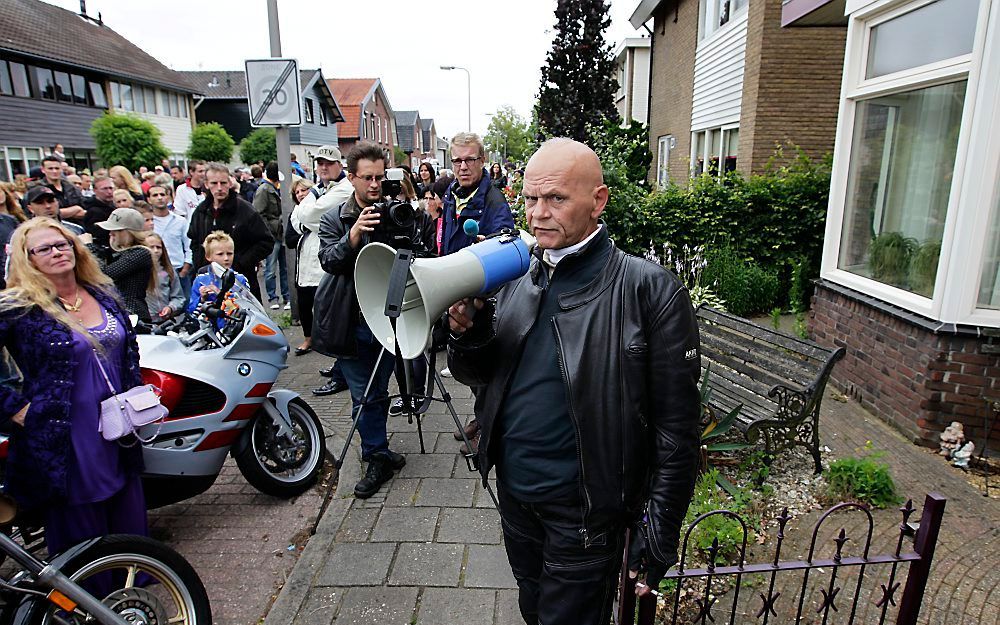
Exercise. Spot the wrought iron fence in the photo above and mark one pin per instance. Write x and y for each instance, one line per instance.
(783, 589)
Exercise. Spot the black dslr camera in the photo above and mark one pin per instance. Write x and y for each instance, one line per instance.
(398, 218)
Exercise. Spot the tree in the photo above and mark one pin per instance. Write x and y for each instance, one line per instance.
(127, 140)
(508, 135)
(578, 79)
(399, 156)
(259, 145)
(211, 142)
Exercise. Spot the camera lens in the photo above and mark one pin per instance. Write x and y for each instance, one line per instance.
(402, 215)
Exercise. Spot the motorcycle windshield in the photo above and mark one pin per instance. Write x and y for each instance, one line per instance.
(245, 299)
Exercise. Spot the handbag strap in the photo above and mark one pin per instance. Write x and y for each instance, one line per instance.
(104, 373)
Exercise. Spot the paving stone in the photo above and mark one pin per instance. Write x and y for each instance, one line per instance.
(320, 607)
(482, 498)
(428, 465)
(427, 564)
(407, 442)
(378, 606)
(405, 525)
(357, 525)
(441, 606)
(488, 568)
(507, 611)
(446, 492)
(402, 492)
(462, 525)
(356, 564)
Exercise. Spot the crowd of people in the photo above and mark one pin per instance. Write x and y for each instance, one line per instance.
(585, 374)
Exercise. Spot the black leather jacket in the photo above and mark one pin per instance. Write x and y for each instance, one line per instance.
(629, 348)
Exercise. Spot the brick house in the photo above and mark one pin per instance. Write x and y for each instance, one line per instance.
(226, 103)
(367, 113)
(910, 280)
(410, 136)
(728, 83)
(632, 68)
(53, 87)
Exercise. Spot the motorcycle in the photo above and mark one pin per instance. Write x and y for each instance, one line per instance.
(216, 376)
(111, 580)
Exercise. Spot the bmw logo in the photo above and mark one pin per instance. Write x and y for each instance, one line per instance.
(243, 369)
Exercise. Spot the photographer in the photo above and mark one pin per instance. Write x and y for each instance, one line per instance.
(339, 330)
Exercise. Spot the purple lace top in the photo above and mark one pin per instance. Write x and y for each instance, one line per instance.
(95, 471)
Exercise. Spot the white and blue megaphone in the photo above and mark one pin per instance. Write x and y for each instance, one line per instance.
(433, 284)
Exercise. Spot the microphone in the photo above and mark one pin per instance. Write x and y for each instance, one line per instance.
(471, 227)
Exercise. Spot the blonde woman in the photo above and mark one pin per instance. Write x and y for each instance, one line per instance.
(124, 180)
(123, 199)
(128, 263)
(61, 322)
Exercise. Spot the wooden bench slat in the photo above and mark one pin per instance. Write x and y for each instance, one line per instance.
(740, 359)
(797, 345)
(766, 353)
(752, 388)
(723, 402)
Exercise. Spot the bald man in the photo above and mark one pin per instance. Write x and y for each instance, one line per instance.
(590, 409)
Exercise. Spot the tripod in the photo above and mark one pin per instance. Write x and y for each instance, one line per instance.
(398, 279)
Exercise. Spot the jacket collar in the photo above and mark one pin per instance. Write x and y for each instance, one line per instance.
(350, 209)
(597, 286)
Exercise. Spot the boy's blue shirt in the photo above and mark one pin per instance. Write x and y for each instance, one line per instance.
(203, 279)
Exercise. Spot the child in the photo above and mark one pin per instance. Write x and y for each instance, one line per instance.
(219, 248)
(166, 299)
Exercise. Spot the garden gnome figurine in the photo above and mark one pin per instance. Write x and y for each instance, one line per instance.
(952, 439)
(963, 455)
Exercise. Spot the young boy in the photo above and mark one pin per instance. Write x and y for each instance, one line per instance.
(218, 248)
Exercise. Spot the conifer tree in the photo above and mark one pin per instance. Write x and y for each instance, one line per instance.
(578, 79)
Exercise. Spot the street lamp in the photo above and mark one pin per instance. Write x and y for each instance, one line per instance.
(468, 84)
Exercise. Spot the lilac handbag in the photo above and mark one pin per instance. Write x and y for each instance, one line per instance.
(123, 413)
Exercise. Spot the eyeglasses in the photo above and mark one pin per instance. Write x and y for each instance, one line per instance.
(370, 179)
(45, 250)
(458, 162)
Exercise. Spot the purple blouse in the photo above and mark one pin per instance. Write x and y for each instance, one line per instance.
(95, 471)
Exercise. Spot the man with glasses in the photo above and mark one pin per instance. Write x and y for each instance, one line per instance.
(339, 329)
(471, 198)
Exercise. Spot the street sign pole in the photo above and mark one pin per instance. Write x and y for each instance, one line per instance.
(284, 160)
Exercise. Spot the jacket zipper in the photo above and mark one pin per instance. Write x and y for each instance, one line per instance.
(576, 426)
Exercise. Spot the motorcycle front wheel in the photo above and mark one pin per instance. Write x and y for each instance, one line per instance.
(140, 579)
(283, 466)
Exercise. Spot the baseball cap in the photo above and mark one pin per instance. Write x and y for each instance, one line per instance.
(37, 192)
(123, 219)
(329, 153)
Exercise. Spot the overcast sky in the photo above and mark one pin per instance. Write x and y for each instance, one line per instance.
(400, 41)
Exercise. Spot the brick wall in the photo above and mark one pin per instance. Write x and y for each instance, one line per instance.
(791, 86)
(675, 28)
(905, 373)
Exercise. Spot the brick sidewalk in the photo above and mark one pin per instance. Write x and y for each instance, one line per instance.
(425, 549)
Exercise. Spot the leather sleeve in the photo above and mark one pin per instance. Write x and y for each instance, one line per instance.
(336, 255)
(673, 408)
(470, 355)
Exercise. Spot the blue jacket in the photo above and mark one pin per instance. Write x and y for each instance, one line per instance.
(488, 207)
(204, 278)
(40, 451)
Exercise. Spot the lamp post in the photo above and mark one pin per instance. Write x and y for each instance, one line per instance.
(468, 84)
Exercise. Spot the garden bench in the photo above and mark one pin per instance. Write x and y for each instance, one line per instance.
(778, 379)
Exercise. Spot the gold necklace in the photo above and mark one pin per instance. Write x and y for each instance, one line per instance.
(74, 307)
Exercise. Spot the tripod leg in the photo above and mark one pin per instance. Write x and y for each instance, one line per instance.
(356, 412)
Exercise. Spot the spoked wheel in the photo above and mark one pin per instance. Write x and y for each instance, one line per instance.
(143, 580)
(284, 466)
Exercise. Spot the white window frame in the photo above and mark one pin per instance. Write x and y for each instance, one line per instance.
(963, 244)
(707, 154)
(708, 14)
(664, 146)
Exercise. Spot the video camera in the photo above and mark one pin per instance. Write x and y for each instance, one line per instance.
(398, 221)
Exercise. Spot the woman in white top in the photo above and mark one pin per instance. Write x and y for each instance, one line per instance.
(305, 221)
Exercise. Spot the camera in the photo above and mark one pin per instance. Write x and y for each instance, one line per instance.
(398, 219)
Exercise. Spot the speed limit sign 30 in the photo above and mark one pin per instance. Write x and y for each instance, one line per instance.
(274, 92)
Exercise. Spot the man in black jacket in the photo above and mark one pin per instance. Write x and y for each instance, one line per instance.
(224, 210)
(339, 329)
(590, 408)
(99, 207)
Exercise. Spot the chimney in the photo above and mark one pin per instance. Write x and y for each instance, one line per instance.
(229, 82)
(83, 8)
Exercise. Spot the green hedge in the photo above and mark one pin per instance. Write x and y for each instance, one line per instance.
(774, 222)
(746, 287)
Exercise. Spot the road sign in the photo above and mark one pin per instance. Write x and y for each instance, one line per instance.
(274, 92)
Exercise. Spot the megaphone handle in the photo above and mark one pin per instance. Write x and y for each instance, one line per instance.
(397, 285)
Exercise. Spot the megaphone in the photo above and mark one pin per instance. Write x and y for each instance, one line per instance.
(433, 284)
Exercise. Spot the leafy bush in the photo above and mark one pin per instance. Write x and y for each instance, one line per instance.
(746, 287)
(127, 140)
(627, 147)
(708, 497)
(211, 142)
(259, 145)
(863, 479)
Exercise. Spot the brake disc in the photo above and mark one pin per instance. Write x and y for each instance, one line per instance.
(138, 606)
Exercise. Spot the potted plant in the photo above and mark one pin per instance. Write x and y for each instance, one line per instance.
(889, 257)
